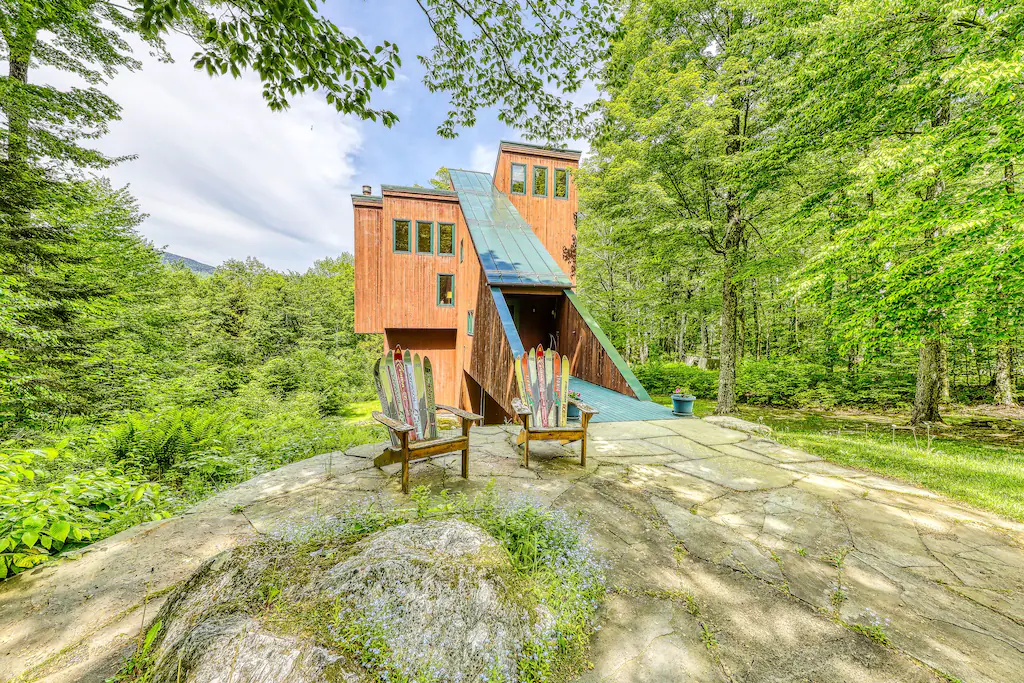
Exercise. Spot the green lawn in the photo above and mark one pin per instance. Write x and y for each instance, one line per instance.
(977, 457)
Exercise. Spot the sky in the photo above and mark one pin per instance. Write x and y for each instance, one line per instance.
(221, 176)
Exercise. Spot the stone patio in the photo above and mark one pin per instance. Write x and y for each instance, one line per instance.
(732, 558)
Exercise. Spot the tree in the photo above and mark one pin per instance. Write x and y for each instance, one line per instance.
(678, 144)
(918, 99)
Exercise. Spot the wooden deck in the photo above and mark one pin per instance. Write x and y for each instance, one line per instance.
(616, 407)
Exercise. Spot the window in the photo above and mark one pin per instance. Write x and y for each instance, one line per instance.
(469, 323)
(462, 250)
(561, 183)
(540, 181)
(403, 243)
(445, 290)
(446, 239)
(424, 237)
(518, 179)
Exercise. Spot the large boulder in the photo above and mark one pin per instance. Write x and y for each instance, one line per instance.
(431, 600)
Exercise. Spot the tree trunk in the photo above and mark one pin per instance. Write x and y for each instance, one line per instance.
(1004, 374)
(929, 382)
(944, 370)
(727, 347)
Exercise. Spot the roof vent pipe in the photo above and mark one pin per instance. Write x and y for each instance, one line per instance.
(367, 190)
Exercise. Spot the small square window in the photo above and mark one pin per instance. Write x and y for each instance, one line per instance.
(469, 323)
(562, 183)
(518, 185)
(446, 239)
(445, 290)
(540, 181)
(403, 238)
(424, 237)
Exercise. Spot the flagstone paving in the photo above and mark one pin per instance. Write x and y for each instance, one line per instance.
(731, 558)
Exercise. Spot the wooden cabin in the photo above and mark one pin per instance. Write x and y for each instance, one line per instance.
(473, 275)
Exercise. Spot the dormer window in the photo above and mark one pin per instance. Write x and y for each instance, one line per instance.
(518, 184)
(540, 181)
(561, 183)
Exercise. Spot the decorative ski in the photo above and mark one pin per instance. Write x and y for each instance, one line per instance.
(421, 395)
(565, 390)
(389, 386)
(524, 367)
(542, 393)
(383, 385)
(405, 408)
(428, 380)
(534, 393)
(410, 389)
(556, 382)
(549, 387)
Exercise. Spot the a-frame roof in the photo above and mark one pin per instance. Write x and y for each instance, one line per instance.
(510, 252)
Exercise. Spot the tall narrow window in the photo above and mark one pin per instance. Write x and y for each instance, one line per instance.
(445, 290)
(562, 183)
(424, 237)
(446, 239)
(462, 250)
(403, 236)
(540, 181)
(469, 323)
(518, 184)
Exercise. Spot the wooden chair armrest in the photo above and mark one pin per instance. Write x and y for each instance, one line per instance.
(458, 412)
(520, 407)
(391, 424)
(584, 408)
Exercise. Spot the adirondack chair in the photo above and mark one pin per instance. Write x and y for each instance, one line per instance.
(543, 403)
(405, 387)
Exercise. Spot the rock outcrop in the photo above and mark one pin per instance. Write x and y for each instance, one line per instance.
(437, 599)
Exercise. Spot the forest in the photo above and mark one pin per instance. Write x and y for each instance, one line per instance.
(815, 200)
(790, 204)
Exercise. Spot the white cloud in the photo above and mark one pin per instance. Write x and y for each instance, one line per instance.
(483, 158)
(222, 176)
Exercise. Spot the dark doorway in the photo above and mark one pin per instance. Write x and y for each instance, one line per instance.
(536, 319)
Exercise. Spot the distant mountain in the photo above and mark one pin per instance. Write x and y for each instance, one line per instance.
(191, 264)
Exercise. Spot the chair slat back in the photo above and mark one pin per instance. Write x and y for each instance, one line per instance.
(542, 378)
(405, 387)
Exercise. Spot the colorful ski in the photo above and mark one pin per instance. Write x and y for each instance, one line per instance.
(389, 386)
(549, 386)
(556, 381)
(421, 394)
(565, 391)
(534, 393)
(428, 380)
(401, 392)
(524, 362)
(542, 391)
(410, 387)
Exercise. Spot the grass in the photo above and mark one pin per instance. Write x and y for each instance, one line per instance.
(976, 457)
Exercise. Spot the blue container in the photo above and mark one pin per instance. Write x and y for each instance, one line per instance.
(573, 412)
(682, 405)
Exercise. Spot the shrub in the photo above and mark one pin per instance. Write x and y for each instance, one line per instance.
(41, 515)
(780, 382)
(192, 439)
(662, 378)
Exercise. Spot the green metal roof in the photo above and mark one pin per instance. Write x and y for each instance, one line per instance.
(510, 252)
(418, 190)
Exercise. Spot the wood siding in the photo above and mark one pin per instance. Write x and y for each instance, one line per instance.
(587, 357)
(551, 219)
(467, 289)
(439, 346)
(397, 290)
(491, 362)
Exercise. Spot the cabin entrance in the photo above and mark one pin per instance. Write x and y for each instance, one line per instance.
(536, 319)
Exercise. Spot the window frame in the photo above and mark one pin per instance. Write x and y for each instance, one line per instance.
(394, 235)
(462, 250)
(554, 184)
(470, 322)
(431, 233)
(533, 181)
(444, 253)
(439, 276)
(511, 179)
